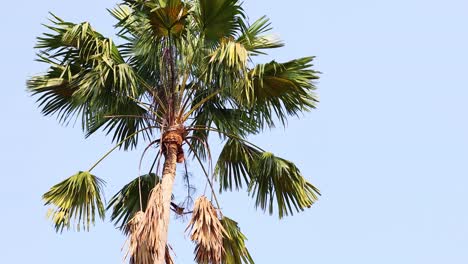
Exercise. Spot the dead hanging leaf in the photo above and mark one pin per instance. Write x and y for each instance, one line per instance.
(142, 230)
(138, 249)
(148, 231)
(207, 232)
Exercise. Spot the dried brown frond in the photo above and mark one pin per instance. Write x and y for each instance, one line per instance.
(152, 220)
(167, 256)
(138, 250)
(143, 233)
(207, 232)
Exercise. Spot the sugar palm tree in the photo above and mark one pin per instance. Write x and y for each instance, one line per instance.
(185, 70)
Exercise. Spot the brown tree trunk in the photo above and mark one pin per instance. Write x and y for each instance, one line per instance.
(168, 176)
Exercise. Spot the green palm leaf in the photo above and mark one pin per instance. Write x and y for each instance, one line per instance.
(280, 89)
(219, 18)
(122, 120)
(234, 164)
(76, 198)
(255, 39)
(126, 202)
(168, 18)
(235, 251)
(89, 78)
(273, 182)
(274, 178)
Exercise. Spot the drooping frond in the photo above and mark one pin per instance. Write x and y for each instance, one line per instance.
(207, 232)
(126, 202)
(148, 231)
(274, 178)
(235, 163)
(138, 250)
(273, 181)
(280, 90)
(75, 199)
(87, 78)
(235, 251)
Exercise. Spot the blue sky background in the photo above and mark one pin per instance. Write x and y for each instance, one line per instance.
(388, 146)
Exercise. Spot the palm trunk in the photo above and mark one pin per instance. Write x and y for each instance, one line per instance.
(169, 171)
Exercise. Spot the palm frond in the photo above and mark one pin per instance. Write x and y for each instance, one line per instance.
(126, 202)
(87, 74)
(148, 232)
(235, 163)
(121, 120)
(131, 23)
(75, 199)
(55, 91)
(255, 39)
(280, 90)
(207, 232)
(274, 178)
(273, 181)
(231, 54)
(219, 18)
(168, 18)
(138, 249)
(235, 251)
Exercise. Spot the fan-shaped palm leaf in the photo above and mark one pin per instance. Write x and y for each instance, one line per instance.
(269, 177)
(235, 163)
(277, 178)
(87, 77)
(281, 89)
(76, 198)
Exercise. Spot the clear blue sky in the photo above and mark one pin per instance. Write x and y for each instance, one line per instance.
(388, 145)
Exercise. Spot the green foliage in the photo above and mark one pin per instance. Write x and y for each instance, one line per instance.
(274, 178)
(234, 163)
(218, 18)
(126, 202)
(182, 64)
(235, 251)
(281, 90)
(273, 181)
(255, 39)
(87, 77)
(76, 198)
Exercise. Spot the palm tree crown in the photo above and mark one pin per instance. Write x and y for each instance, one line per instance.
(184, 70)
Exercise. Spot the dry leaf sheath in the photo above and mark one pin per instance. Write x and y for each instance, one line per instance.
(207, 232)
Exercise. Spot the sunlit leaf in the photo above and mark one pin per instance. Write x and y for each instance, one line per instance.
(76, 200)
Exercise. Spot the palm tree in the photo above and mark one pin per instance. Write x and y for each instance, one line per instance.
(185, 70)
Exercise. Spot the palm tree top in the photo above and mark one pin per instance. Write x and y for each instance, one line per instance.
(185, 70)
